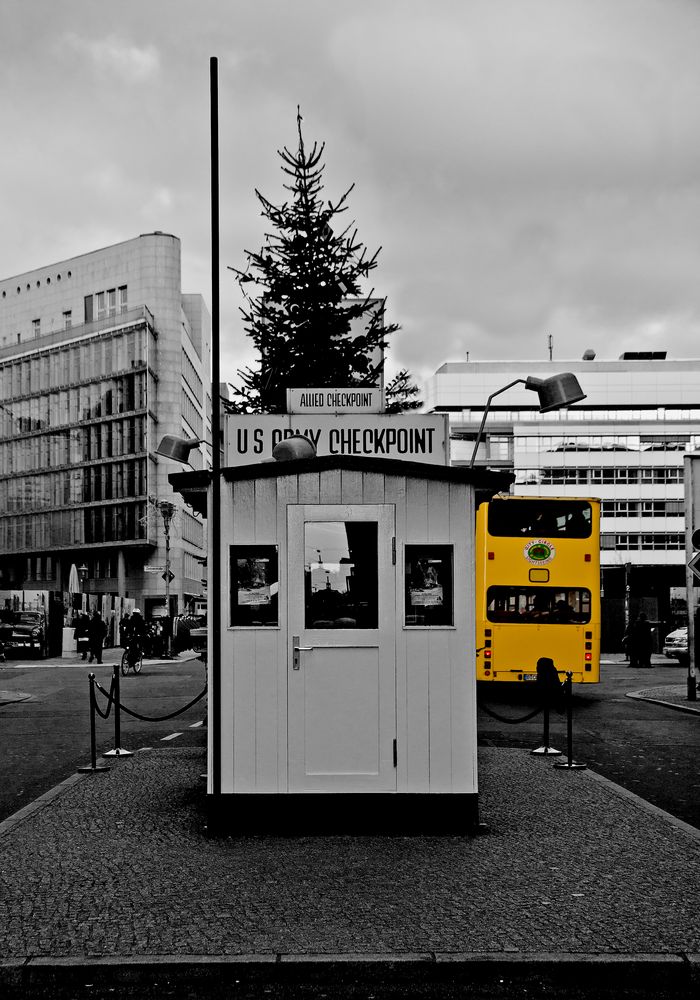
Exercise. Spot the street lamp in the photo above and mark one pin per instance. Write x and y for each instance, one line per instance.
(83, 573)
(178, 449)
(167, 510)
(555, 393)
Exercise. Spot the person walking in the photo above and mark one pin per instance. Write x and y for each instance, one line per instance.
(80, 634)
(639, 642)
(97, 630)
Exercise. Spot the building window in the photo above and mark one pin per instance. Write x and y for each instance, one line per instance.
(112, 302)
(36, 327)
(499, 447)
(123, 306)
(67, 319)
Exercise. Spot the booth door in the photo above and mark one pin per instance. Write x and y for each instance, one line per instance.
(342, 648)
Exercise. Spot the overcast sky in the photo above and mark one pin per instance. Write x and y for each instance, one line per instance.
(529, 167)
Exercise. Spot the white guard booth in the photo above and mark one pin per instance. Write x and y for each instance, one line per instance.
(347, 692)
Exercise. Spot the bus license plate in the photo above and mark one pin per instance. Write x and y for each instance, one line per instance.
(529, 677)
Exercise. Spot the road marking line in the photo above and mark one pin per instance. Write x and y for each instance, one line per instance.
(196, 725)
(172, 736)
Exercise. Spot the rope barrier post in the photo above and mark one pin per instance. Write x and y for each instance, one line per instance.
(549, 688)
(93, 751)
(569, 764)
(545, 750)
(119, 750)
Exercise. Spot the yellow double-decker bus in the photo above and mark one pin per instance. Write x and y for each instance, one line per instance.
(538, 587)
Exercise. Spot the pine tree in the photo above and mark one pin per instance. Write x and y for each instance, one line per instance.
(401, 393)
(308, 279)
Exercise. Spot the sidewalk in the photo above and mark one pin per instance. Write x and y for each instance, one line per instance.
(113, 873)
(672, 694)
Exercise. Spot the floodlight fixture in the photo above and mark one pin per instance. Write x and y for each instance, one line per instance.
(177, 448)
(555, 392)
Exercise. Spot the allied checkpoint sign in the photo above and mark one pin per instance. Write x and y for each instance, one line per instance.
(424, 438)
(354, 400)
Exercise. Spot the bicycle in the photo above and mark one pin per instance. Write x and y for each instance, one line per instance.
(132, 659)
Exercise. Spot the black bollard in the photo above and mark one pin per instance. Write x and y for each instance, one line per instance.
(93, 749)
(570, 764)
(545, 749)
(119, 750)
(549, 689)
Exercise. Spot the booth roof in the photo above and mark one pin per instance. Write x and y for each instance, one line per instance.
(192, 486)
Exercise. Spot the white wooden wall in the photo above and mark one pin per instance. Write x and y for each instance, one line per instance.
(435, 670)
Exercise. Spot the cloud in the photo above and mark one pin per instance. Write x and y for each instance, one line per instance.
(116, 56)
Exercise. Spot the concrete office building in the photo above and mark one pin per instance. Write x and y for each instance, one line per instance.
(100, 355)
(625, 443)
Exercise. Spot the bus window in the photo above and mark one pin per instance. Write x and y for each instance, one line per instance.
(541, 605)
(539, 518)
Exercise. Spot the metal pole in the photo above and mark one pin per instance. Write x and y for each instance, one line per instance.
(545, 749)
(93, 749)
(118, 751)
(692, 489)
(214, 557)
(569, 764)
(167, 510)
(486, 411)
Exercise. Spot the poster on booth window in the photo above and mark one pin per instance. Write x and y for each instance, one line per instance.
(428, 590)
(254, 585)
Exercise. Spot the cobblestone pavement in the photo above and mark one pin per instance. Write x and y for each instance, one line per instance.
(117, 865)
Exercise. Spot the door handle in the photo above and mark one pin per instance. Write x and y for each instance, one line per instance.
(296, 660)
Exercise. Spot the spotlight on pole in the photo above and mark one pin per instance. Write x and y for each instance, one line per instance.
(555, 393)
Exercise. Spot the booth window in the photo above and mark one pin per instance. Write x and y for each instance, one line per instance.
(254, 585)
(429, 585)
(341, 585)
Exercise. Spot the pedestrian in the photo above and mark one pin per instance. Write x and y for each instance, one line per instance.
(639, 642)
(97, 630)
(125, 630)
(80, 634)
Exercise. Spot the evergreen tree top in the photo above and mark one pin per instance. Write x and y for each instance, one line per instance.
(309, 319)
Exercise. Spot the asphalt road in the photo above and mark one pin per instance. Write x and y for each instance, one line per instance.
(46, 737)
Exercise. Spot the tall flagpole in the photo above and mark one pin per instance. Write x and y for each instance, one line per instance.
(214, 516)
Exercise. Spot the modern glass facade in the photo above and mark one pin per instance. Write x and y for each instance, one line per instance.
(100, 356)
(74, 427)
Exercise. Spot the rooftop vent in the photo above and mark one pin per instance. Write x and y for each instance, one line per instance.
(643, 356)
(588, 354)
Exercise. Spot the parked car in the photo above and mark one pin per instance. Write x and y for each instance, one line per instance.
(24, 630)
(676, 644)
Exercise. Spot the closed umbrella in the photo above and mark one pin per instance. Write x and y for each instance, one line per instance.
(73, 580)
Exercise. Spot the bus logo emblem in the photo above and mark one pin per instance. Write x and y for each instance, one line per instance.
(539, 551)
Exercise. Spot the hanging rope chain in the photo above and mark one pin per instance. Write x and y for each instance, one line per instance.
(513, 722)
(143, 718)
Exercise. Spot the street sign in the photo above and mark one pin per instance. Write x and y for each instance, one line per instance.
(153, 569)
(694, 565)
(168, 577)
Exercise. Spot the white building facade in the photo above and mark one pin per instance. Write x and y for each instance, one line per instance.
(100, 355)
(625, 443)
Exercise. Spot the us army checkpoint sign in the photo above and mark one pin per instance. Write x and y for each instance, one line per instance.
(250, 438)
